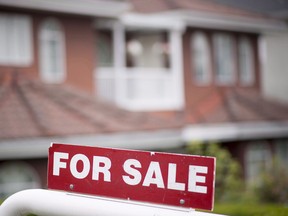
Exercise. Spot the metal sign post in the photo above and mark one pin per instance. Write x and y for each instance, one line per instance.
(115, 182)
(54, 203)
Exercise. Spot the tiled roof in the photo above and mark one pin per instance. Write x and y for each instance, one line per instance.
(275, 8)
(152, 6)
(29, 108)
(237, 105)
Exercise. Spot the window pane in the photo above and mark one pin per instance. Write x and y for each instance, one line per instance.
(246, 61)
(258, 159)
(15, 39)
(104, 48)
(52, 51)
(282, 150)
(201, 58)
(224, 58)
(147, 49)
(3, 39)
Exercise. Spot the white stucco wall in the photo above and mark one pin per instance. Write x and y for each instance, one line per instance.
(274, 58)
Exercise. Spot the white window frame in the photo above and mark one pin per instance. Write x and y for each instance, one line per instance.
(224, 55)
(112, 82)
(47, 36)
(201, 59)
(246, 62)
(16, 47)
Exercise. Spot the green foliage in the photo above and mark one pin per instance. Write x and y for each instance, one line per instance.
(229, 185)
(273, 186)
(250, 209)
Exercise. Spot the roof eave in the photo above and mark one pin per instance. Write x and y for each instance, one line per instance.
(100, 8)
(235, 131)
(142, 140)
(231, 22)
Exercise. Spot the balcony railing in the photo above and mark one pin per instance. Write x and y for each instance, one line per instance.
(137, 88)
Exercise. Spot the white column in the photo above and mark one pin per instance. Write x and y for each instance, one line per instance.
(119, 62)
(176, 60)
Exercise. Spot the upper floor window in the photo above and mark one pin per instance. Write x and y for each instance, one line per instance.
(15, 40)
(201, 58)
(52, 54)
(246, 61)
(104, 48)
(147, 49)
(224, 53)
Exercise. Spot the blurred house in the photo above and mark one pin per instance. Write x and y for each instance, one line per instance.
(274, 46)
(140, 74)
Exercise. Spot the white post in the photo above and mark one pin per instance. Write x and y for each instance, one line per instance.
(54, 203)
(119, 61)
(176, 59)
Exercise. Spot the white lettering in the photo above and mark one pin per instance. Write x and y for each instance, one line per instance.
(193, 179)
(154, 170)
(136, 175)
(86, 166)
(57, 163)
(172, 184)
(97, 169)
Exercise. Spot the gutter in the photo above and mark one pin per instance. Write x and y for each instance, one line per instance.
(234, 131)
(23, 148)
(102, 8)
(212, 20)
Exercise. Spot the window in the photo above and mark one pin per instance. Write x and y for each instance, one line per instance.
(282, 150)
(104, 48)
(17, 176)
(147, 50)
(15, 40)
(258, 159)
(201, 58)
(224, 58)
(246, 61)
(52, 51)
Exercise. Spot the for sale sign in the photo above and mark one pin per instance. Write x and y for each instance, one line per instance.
(159, 178)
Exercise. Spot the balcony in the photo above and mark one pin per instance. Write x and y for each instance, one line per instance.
(138, 89)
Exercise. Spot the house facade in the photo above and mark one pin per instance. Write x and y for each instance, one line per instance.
(152, 75)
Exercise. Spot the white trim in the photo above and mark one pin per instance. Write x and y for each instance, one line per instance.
(83, 7)
(176, 62)
(151, 21)
(212, 20)
(234, 131)
(54, 203)
(37, 147)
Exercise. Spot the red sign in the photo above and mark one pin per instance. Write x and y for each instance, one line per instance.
(162, 178)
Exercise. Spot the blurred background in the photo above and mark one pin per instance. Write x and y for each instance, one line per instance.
(205, 77)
